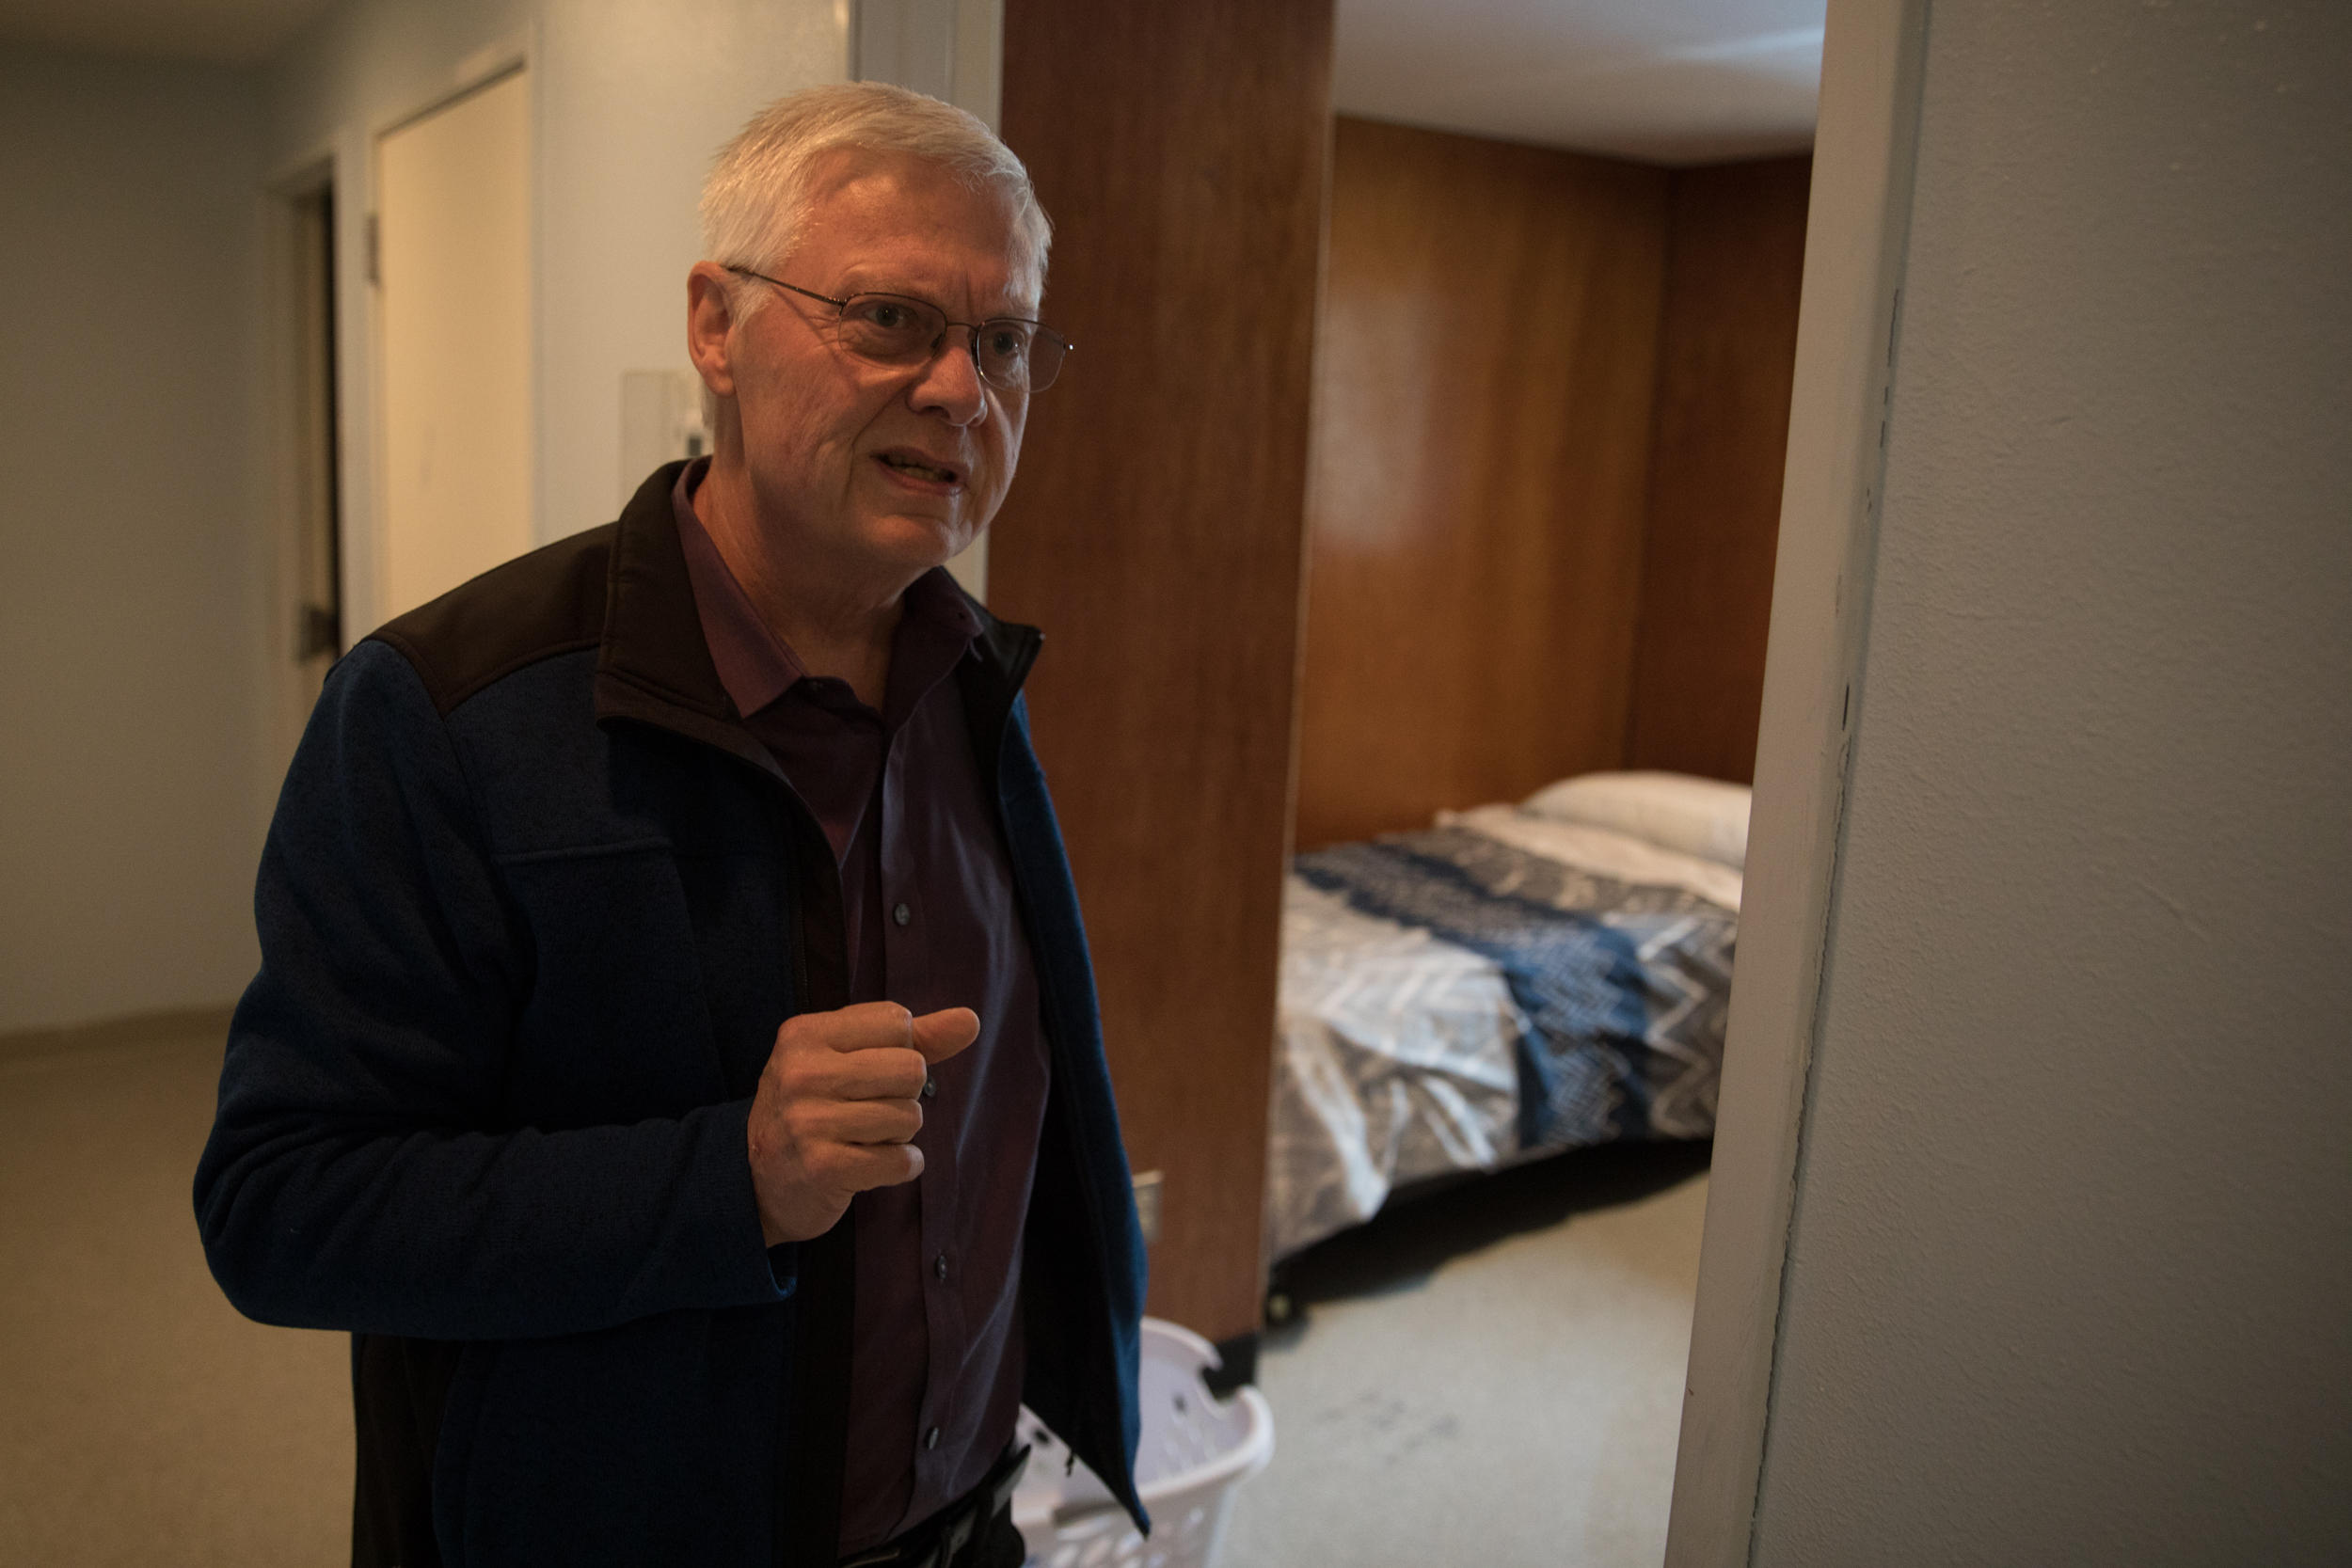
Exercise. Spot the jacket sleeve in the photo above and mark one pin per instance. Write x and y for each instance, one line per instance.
(358, 1175)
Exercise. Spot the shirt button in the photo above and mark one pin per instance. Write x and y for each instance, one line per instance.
(902, 915)
(931, 1438)
(939, 1266)
(931, 1087)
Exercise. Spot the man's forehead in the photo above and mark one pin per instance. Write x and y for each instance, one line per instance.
(860, 187)
(879, 219)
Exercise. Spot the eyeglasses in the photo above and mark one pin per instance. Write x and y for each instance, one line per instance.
(1010, 354)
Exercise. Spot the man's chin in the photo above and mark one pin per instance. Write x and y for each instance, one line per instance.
(922, 543)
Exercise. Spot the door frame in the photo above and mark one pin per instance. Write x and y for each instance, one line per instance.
(288, 688)
(1857, 239)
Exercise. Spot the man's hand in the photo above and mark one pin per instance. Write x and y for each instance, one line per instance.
(838, 1106)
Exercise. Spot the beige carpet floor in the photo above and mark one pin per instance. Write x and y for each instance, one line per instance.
(1484, 1376)
(142, 1422)
(1487, 1377)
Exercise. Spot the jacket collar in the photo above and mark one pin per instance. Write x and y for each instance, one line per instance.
(653, 665)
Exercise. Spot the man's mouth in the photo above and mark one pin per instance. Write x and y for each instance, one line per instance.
(920, 469)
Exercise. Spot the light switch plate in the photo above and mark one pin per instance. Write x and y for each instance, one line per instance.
(1148, 1205)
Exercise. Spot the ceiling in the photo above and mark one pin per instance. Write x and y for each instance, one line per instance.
(1670, 81)
(227, 32)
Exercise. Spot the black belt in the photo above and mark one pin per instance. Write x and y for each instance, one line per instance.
(935, 1542)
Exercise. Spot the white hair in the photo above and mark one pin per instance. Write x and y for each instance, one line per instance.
(757, 196)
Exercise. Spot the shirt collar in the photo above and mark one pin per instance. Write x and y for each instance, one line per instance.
(757, 666)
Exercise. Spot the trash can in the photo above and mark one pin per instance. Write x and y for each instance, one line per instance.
(1196, 1449)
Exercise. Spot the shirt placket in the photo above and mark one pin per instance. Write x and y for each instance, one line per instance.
(906, 946)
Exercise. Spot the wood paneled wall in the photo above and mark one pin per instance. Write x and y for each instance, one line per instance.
(1552, 403)
(1482, 453)
(1155, 533)
(1735, 261)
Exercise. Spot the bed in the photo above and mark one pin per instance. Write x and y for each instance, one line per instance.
(1513, 981)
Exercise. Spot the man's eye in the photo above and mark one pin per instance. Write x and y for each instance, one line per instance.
(890, 318)
(1005, 342)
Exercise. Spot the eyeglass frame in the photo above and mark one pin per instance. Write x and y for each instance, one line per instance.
(972, 329)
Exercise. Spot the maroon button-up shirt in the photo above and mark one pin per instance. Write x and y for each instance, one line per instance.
(927, 891)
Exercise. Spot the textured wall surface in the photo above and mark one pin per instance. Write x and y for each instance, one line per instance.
(2069, 1275)
(130, 648)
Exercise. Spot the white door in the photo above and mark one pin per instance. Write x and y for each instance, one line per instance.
(453, 263)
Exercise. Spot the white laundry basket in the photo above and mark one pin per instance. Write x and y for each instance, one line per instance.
(1195, 1449)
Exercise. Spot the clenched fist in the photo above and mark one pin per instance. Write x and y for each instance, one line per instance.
(839, 1106)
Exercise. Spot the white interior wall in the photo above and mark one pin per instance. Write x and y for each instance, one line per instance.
(2068, 1279)
(639, 96)
(131, 682)
(144, 749)
(632, 98)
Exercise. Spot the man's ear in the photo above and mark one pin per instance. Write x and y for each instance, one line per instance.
(710, 326)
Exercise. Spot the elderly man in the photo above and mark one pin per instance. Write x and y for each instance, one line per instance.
(675, 1057)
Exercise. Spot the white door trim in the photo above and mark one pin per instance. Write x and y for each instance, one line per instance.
(1855, 240)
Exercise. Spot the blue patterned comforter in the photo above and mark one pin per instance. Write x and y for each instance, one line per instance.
(1607, 999)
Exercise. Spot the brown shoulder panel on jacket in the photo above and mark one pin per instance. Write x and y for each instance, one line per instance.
(534, 607)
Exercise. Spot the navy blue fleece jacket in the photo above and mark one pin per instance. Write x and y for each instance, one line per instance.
(532, 908)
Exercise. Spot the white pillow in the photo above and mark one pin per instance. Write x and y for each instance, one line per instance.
(1705, 818)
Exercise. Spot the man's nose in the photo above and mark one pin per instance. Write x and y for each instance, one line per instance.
(951, 380)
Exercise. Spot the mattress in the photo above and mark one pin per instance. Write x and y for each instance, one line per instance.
(1495, 988)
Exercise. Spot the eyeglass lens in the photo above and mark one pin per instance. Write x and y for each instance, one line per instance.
(894, 330)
